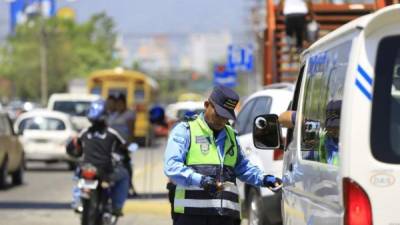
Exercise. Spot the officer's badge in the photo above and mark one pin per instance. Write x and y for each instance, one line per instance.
(204, 144)
(205, 148)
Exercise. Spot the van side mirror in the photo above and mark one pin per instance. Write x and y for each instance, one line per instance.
(267, 132)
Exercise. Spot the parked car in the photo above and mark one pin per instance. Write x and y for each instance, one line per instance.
(260, 205)
(11, 153)
(342, 163)
(175, 112)
(76, 105)
(44, 135)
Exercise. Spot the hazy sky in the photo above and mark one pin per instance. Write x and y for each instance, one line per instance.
(157, 16)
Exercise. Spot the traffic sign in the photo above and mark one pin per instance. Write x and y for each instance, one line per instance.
(240, 58)
(225, 77)
(22, 10)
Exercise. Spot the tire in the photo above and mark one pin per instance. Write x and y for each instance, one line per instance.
(90, 213)
(3, 173)
(255, 209)
(18, 176)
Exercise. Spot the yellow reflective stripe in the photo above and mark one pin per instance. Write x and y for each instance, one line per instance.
(179, 195)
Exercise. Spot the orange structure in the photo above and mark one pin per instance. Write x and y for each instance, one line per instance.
(330, 16)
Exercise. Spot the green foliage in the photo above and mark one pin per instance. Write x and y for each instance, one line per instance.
(73, 50)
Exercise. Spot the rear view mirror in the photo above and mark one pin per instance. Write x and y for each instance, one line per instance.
(267, 132)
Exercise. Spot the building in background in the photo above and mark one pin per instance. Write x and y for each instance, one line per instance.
(153, 54)
(207, 48)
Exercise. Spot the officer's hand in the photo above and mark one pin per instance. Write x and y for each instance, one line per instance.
(209, 184)
(272, 182)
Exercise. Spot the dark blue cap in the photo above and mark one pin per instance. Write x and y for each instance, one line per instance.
(224, 100)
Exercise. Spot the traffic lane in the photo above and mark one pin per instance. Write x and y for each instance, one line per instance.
(44, 199)
(42, 184)
(67, 217)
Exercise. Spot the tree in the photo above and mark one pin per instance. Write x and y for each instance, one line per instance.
(73, 50)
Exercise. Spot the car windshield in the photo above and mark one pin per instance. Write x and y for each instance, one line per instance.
(42, 123)
(73, 108)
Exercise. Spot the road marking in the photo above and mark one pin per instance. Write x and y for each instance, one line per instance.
(154, 207)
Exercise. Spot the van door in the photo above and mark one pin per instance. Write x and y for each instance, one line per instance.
(311, 193)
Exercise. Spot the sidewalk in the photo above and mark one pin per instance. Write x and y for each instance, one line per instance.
(150, 182)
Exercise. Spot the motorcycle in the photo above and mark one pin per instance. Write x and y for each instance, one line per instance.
(95, 197)
(95, 194)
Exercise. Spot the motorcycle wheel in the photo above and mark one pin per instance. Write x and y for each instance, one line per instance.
(90, 213)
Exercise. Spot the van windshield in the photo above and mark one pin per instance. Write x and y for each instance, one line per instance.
(385, 132)
(73, 108)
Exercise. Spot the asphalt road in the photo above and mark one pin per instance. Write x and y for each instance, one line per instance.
(45, 196)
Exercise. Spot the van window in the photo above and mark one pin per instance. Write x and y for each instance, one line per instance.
(139, 93)
(323, 103)
(116, 91)
(385, 130)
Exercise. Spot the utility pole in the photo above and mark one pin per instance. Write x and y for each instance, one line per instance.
(43, 57)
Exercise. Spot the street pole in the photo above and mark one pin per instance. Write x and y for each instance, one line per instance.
(43, 58)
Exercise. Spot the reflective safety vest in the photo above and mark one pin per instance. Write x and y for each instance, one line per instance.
(204, 158)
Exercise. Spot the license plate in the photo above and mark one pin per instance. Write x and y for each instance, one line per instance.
(88, 184)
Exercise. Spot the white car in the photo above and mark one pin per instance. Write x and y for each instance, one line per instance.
(176, 111)
(260, 205)
(44, 135)
(76, 105)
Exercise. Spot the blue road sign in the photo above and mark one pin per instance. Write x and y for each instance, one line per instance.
(225, 77)
(240, 58)
(22, 10)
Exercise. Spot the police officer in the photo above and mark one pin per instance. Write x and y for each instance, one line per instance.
(204, 159)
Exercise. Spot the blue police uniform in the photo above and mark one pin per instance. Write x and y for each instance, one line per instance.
(179, 145)
(175, 157)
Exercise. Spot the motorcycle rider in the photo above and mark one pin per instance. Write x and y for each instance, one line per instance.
(101, 146)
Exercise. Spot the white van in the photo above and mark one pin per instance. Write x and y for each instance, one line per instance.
(75, 105)
(342, 163)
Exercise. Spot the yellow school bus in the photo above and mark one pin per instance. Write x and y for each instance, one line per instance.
(140, 91)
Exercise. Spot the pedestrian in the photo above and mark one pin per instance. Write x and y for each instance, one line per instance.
(203, 158)
(110, 107)
(122, 120)
(295, 12)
